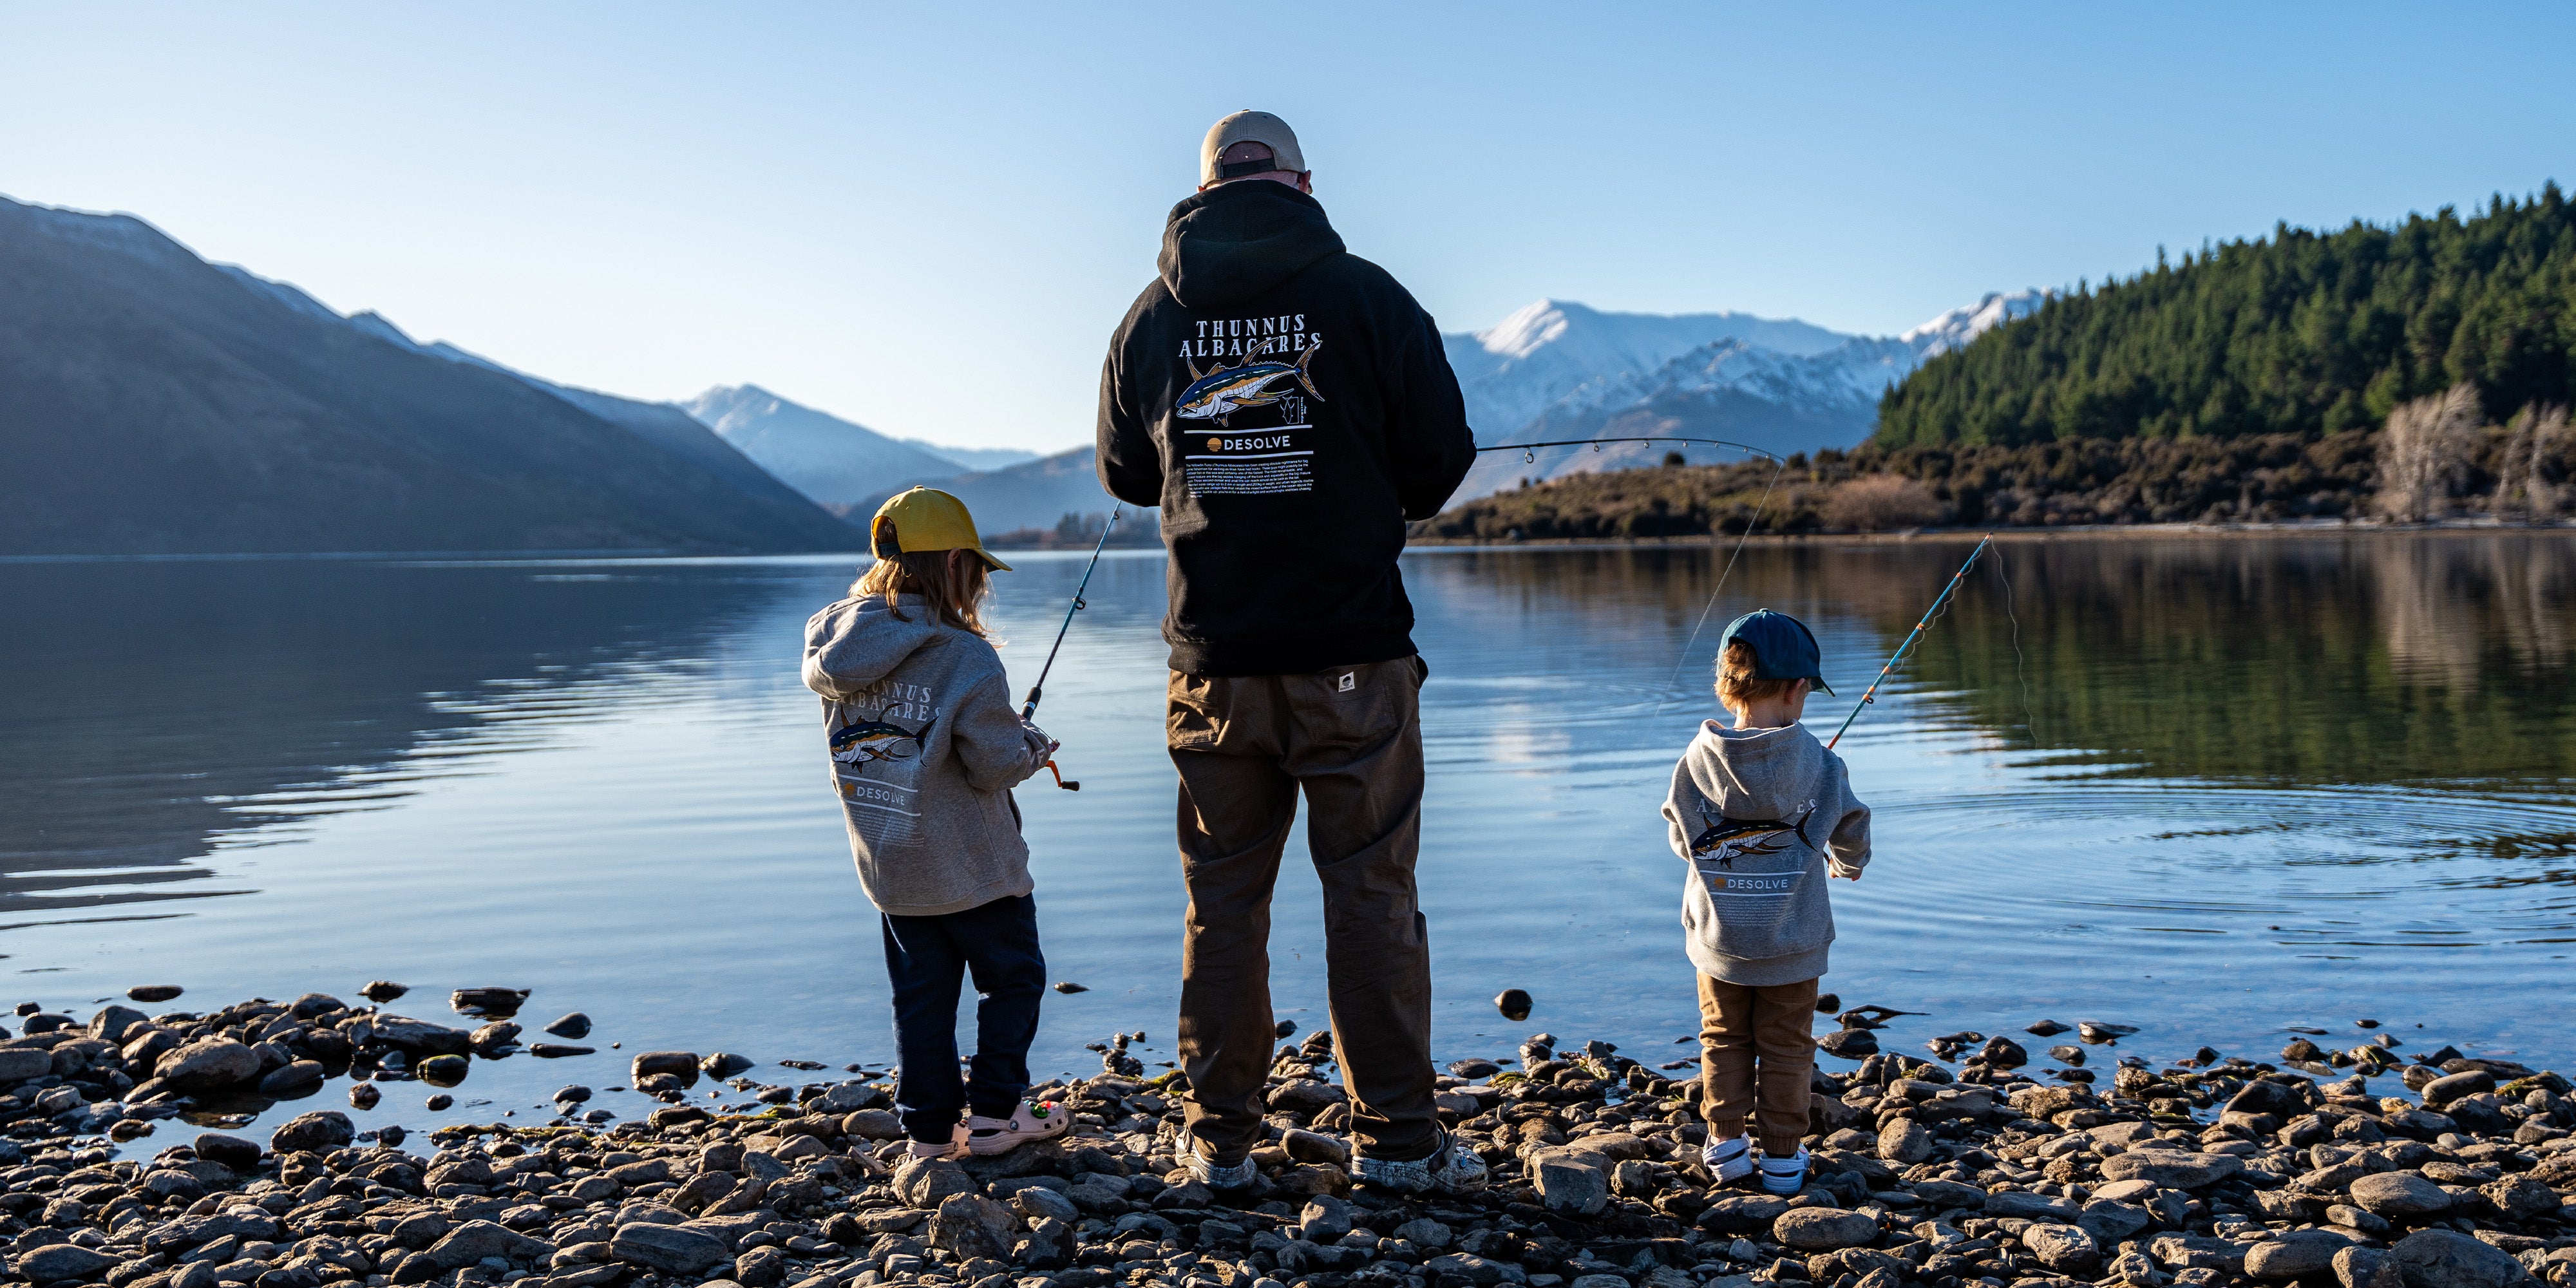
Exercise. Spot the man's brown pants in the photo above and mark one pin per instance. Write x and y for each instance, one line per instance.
(1351, 738)
(1757, 1038)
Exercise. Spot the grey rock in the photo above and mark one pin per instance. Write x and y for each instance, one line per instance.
(1038, 1203)
(191, 1231)
(1315, 1147)
(670, 1249)
(1465, 1267)
(2197, 1252)
(2521, 1198)
(1949, 1194)
(420, 1037)
(316, 1132)
(575, 1026)
(1904, 1140)
(721, 1065)
(17, 1064)
(208, 1064)
(2033, 1207)
(2171, 1169)
(2066, 1249)
(1305, 1097)
(231, 1151)
(470, 1243)
(872, 1124)
(1742, 1214)
(682, 1065)
(1823, 1229)
(1570, 1186)
(759, 1268)
(154, 993)
(2112, 1223)
(2399, 1195)
(971, 1225)
(1423, 1232)
(923, 1183)
(2356, 1266)
(2448, 1259)
(1324, 1220)
(112, 1022)
(2295, 1255)
(382, 990)
(2440, 1092)
(299, 1075)
(58, 1261)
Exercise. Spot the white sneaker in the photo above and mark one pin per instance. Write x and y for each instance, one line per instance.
(1452, 1168)
(1728, 1160)
(1033, 1120)
(1785, 1175)
(1212, 1174)
(955, 1146)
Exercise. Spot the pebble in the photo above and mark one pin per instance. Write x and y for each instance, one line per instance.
(1514, 1004)
(154, 993)
(1956, 1174)
(575, 1026)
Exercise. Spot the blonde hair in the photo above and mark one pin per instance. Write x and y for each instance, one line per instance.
(954, 589)
(1738, 687)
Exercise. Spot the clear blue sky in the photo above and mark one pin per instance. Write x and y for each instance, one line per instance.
(928, 217)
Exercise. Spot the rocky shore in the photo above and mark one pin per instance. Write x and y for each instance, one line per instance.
(2356, 1168)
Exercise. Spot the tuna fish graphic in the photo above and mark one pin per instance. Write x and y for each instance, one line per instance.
(1731, 838)
(857, 744)
(1219, 392)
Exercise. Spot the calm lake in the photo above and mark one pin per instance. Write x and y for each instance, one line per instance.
(2207, 786)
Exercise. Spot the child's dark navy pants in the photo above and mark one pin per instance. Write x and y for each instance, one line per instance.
(927, 958)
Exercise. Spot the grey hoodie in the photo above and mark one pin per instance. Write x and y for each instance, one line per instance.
(1763, 815)
(925, 750)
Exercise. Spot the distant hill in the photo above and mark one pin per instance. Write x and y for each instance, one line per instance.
(158, 404)
(821, 455)
(1030, 497)
(2306, 333)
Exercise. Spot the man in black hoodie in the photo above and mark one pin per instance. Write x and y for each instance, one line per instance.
(1290, 408)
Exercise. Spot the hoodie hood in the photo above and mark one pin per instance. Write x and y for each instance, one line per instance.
(1764, 773)
(1240, 240)
(855, 644)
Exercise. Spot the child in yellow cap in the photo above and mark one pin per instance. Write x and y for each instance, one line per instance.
(925, 749)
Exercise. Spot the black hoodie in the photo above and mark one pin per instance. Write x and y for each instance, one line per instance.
(1289, 407)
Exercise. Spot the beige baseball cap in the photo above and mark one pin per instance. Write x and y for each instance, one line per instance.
(1249, 127)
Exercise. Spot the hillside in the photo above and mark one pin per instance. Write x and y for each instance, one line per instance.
(829, 459)
(158, 404)
(1027, 504)
(2302, 333)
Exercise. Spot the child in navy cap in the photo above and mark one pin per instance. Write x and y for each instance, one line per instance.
(1763, 813)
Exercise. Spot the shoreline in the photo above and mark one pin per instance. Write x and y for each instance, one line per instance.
(1966, 1171)
(2086, 532)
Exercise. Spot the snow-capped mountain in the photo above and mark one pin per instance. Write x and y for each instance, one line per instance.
(821, 455)
(1514, 369)
(1822, 391)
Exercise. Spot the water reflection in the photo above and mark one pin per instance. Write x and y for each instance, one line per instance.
(2156, 771)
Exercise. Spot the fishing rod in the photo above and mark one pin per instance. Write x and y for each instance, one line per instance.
(1529, 453)
(1871, 694)
(1038, 690)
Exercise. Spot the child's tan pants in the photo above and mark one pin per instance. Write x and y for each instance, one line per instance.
(1757, 1037)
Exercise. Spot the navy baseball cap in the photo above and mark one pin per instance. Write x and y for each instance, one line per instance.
(1783, 647)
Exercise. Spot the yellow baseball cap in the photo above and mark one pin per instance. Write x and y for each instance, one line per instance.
(922, 519)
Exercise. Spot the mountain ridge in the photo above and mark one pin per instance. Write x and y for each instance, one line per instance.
(161, 404)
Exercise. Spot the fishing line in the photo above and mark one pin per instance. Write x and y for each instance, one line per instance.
(1870, 695)
(1711, 606)
(2029, 721)
(1038, 690)
(1529, 454)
